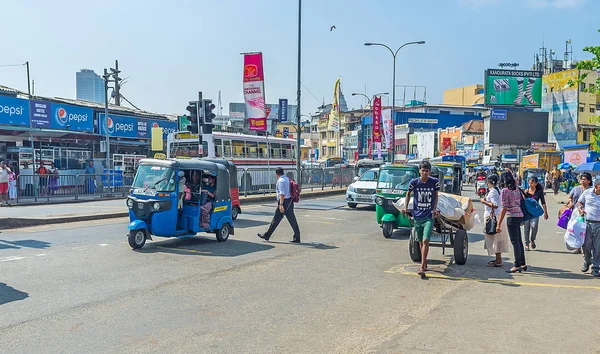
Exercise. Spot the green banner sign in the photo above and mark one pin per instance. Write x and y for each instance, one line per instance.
(183, 122)
(513, 88)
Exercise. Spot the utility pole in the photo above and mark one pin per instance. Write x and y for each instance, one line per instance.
(106, 77)
(298, 152)
(117, 79)
(30, 123)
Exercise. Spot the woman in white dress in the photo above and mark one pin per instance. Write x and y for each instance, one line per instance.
(498, 243)
(12, 184)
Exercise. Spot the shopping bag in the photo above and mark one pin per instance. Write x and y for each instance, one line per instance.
(563, 221)
(575, 234)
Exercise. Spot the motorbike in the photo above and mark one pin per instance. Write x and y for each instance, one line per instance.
(481, 186)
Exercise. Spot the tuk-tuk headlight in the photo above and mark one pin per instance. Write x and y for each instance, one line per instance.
(129, 203)
(379, 201)
(156, 206)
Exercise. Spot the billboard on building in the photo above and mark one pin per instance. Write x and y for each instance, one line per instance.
(14, 111)
(513, 131)
(576, 157)
(543, 147)
(560, 101)
(133, 127)
(513, 88)
(425, 145)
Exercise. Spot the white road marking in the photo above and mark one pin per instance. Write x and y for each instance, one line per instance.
(103, 244)
(6, 259)
(40, 255)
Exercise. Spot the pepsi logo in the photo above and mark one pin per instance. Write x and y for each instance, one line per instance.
(111, 125)
(61, 115)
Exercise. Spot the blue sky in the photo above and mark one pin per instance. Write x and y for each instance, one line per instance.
(173, 49)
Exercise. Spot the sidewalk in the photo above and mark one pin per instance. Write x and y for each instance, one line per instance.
(40, 213)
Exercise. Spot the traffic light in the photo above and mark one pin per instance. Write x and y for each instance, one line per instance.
(192, 117)
(208, 115)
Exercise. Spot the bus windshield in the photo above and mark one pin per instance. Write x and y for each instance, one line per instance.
(154, 177)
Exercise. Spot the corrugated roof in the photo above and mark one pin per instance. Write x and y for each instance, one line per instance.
(473, 126)
(9, 90)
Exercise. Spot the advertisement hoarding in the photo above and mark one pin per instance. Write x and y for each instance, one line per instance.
(387, 127)
(531, 161)
(133, 127)
(576, 157)
(14, 111)
(513, 88)
(283, 110)
(69, 117)
(254, 91)
(377, 120)
(334, 115)
(543, 147)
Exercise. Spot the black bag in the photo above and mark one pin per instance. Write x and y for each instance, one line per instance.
(491, 224)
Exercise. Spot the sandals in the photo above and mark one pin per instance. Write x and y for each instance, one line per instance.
(527, 248)
(533, 246)
(421, 272)
(494, 264)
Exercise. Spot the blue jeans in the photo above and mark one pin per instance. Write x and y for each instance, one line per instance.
(531, 227)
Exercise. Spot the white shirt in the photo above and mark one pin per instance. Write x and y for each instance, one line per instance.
(591, 204)
(493, 197)
(4, 172)
(283, 187)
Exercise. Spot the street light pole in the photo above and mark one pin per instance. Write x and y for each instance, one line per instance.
(106, 77)
(393, 89)
(30, 121)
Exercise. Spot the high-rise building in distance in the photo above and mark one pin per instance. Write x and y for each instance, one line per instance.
(90, 86)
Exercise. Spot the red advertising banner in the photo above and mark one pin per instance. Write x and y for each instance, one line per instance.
(254, 91)
(377, 119)
(370, 148)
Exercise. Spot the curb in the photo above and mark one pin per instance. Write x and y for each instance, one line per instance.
(17, 223)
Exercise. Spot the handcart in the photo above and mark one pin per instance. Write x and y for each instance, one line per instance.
(446, 233)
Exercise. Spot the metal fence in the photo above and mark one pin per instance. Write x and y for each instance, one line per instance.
(46, 187)
(251, 181)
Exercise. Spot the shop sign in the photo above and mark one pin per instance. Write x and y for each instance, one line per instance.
(66, 116)
(133, 127)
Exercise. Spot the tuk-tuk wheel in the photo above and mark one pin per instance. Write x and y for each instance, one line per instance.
(461, 247)
(388, 229)
(137, 238)
(413, 247)
(352, 205)
(223, 233)
(234, 212)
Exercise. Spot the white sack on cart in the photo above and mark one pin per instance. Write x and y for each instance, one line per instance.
(449, 207)
(400, 203)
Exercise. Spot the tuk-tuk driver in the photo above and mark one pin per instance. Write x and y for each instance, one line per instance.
(206, 206)
(424, 209)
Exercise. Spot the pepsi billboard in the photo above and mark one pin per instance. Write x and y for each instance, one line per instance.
(133, 127)
(14, 111)
(68, 117)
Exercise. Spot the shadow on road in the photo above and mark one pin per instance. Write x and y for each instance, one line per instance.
(245, 223)
(4, 244)
(10, 294)
(315, 245)
(199, 246)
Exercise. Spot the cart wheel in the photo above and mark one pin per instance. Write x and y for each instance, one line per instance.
(234, 213)
(352, 205)
(413, 247)
(461, 247)
(137, 238)
(388, 229)
(223, 233)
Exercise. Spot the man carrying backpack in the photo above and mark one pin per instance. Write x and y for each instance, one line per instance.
(285, 206)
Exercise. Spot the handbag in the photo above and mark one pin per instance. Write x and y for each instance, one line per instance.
(530, 207)
(491, 224)
(563, 221)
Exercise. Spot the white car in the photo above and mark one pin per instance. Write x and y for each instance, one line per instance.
(363, 190)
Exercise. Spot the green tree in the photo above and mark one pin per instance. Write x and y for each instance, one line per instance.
(591, 64)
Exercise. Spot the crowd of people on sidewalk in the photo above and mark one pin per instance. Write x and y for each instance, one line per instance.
(8, 183)
(504, 204)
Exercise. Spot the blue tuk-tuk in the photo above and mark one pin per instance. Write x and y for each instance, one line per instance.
(161, 202)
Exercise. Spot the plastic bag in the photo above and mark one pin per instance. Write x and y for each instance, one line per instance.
(400, 203)
(477, 219)
(448, 206)
(575, 234)
(563, 221)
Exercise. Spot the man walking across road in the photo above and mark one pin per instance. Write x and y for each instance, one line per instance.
(589, 204)
(424, 209)
(285, 206)
(556, 174)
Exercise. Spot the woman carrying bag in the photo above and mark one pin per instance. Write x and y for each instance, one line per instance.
(496, 243)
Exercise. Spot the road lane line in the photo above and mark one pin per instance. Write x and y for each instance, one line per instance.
(6, 259)
(498, 281)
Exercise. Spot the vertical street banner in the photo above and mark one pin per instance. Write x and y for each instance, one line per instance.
(283, 110)
(369, 148)
(334, 115)
(377, 119)
(254, 91)
(387, 128)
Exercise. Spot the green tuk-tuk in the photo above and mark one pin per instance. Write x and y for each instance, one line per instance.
(392, 185)
(452, 177)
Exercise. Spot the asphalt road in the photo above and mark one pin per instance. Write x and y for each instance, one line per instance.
(80, 288)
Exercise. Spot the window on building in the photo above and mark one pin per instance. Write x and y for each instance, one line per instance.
(582, 86)
(586, 135)
(592, 86)
(581, 109)
(444, 112)
(469, 113)
(592, 110)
